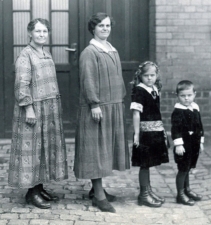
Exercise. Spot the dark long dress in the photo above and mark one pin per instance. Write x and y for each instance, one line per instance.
(152, 150)
(187, 129)
(100, 147)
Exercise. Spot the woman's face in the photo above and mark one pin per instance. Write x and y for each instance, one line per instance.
(103, 29)
(39, 35)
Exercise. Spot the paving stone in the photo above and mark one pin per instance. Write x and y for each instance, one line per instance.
(9, 216)
(38, 222)
(18, 222)
(59, 222)
(4, 222)
(75, 208)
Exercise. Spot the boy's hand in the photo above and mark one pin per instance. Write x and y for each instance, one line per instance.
(201, 147)
(136, 140)
(180, 150)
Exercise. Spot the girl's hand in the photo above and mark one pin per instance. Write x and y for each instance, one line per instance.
(30, 115)
(97, 114)
(201, 147)
(136, 140)
(180, 150)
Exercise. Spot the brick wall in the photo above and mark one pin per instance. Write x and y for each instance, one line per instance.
(183, 50)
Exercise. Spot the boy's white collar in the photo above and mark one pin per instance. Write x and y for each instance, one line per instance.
(192, 106)
(149, 89)
(99, 45)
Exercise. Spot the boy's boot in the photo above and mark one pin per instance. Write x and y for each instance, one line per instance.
(183, 199)
(180, 182)
(145, 198)
(189, 192)
(156, 197)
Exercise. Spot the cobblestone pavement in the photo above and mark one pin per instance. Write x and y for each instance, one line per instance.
(75, 208)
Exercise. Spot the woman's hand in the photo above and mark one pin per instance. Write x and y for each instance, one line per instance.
(180, 150)
(97, 114)
(136, 140)
(201, 147)
(30, 115)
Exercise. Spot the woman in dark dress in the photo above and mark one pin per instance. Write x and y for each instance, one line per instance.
(101, 144)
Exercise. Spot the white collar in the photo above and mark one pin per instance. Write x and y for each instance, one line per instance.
(99, 45)
(192, 106)
(149, 89)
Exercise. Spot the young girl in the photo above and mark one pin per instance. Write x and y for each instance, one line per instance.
(149, 148)
(188, 137)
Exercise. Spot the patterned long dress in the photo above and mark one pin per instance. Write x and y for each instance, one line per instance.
(152, 150)
(38, 153)
(100, 147)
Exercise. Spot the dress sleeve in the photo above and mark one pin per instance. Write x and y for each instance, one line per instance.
(202, 129)
(176, 128)
(137, 100)
(23, 80)
(89, 74)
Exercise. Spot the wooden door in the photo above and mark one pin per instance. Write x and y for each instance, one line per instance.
(69, 19)
(130, 34)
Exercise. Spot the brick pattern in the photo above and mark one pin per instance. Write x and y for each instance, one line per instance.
(183, 46)
(74, 207)
(183, 50)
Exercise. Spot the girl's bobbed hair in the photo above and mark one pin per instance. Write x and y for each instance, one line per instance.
(97, 18)
(32, 23)
(143, 68)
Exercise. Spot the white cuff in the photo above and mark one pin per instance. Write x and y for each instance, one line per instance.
(178, 141)
(136, 106)
(202, 140)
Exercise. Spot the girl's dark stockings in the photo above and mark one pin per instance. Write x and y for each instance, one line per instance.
(144, 177)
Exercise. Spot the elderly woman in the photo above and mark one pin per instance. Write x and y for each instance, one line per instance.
(101, 144)
(38, 152)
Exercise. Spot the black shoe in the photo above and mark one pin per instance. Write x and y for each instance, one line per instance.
(183, 199)
(33, 197)
(146, 199)
(110, 198)
(47, 196)
(156, 197)
(193, 195)
(103, 205)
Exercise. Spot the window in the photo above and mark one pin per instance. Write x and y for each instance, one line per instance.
(56, 12)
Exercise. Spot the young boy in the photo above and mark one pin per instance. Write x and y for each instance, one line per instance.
(188, 137)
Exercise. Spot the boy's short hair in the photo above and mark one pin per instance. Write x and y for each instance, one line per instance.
(184, 85)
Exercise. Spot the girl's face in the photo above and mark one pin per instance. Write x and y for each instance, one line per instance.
(40, 34)
(103, 29)
(149, 77)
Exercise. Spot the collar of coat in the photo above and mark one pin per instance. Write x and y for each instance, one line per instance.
(149, 89)
(191, 107)
(99, 45)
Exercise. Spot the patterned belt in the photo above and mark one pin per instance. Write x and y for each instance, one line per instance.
(147, 126)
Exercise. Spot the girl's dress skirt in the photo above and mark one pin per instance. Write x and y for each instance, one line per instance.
(152, 150)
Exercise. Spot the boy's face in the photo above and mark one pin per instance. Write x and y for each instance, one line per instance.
(186, 97)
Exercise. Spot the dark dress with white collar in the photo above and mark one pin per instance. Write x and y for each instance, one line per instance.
(152, 150)
(187, 129)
